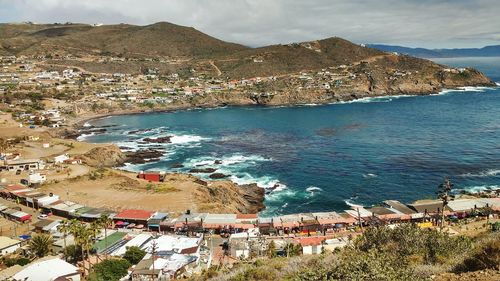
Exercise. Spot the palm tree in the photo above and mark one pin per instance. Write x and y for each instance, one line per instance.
(64, 227)
(40, 244)
(105, 222)
(80, 234)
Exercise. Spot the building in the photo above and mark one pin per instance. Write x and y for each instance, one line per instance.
(48, 269)
(24, 164)
(151, 176)
(168, 267)
(133, 216)
(8, 245)
(36, 178)
(61, 158)
(311, 245)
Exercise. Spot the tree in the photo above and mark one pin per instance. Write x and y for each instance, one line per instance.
(271, 250)
(443, 193)
(110, 270)
(104, 221)
(73, 254)
(64, 227)
(40, 245)
(134, 254)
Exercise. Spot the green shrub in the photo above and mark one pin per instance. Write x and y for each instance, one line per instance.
(109, 270)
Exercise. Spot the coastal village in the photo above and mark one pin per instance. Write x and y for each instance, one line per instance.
(42, 167)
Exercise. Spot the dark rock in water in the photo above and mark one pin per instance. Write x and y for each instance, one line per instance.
(143, 156)
(158, 140)
(138, 131)
(177, 165)
(95, 130)
(218, 162)
(109, 126)
(205, 170)
(125, 148)
(218, 176)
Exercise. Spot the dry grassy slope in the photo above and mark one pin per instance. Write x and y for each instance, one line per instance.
(283, 59)
(198, 50)
(159, 39)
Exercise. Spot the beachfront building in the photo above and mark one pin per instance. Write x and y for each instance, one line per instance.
(130, 216)
(48, 269)
(8, 245)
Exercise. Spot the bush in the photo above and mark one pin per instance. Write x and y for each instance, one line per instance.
(13, 261)
(485, 256)
(73, 253)
(110, 270)
(134, 254)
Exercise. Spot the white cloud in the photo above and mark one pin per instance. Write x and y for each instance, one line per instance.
(260, 22)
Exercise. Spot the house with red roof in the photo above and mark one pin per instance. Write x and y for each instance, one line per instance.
(133, 216)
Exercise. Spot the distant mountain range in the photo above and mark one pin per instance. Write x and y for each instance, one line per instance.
(488, 51)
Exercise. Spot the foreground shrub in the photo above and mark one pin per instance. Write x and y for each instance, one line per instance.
(485, 256)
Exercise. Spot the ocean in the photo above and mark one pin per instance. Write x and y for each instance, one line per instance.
(325, 157)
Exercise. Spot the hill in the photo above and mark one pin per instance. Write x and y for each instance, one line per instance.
(171, 48)
(488, 51)
(159, 39)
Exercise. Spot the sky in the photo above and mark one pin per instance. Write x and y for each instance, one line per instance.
(413, 23)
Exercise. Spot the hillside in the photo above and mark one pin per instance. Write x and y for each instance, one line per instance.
(159, 39)
(488, 51)
(356, 70)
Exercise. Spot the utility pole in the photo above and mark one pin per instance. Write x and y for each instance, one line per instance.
(154, 248)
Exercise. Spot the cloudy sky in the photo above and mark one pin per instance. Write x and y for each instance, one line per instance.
(423, 23)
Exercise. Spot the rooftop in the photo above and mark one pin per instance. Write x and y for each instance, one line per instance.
(46, 269)
(6, 242)
(134, 215)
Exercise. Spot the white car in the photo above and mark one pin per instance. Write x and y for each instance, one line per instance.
(42, 216)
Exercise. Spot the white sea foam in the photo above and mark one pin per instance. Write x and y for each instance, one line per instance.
(486, 173)
(369, 175)
(352, 204)
(183, 139)
(498, 84)
(83, 137)
(479, 188)
(465, 89)
(313, 189)
(87, 124)
(374, 99)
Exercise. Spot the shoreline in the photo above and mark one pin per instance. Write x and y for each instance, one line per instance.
(441, 92)
(78, 124)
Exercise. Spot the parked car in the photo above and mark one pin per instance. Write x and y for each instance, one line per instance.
(42, 216)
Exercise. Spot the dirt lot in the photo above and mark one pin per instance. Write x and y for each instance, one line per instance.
(115, 190)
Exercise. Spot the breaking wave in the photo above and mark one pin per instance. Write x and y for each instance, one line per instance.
(478, 188)
(351, 204)
(313, 189)
(487, 173)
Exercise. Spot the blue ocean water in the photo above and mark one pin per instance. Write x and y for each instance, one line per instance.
(320, 158)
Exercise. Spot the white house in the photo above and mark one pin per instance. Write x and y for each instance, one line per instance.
(61, 158)
(37, 178)
(8, 245)
(48, 269)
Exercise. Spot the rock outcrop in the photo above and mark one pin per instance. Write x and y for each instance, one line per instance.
(228, 197)
(105, 156)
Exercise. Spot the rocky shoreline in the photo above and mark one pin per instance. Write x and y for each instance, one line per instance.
(254, 198)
